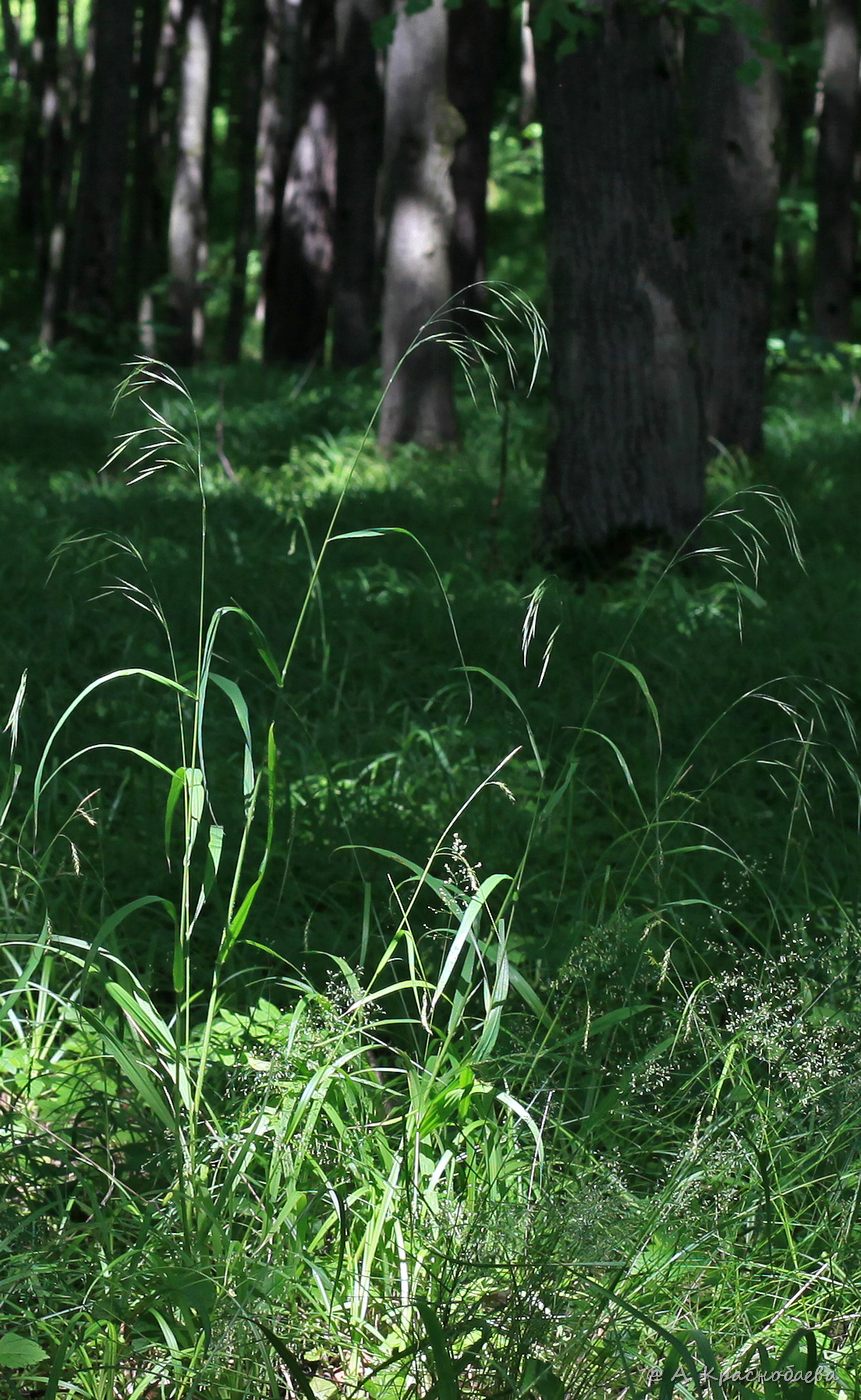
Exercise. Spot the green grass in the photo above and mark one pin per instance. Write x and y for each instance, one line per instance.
(549, 1133)
(530, 1067)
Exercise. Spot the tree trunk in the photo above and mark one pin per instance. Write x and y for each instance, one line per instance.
(44, 143)
(187, 226)
(75, 81)
(736, 186)
(798, 93)
(359, 123)
(143, 232)
(104, 166)
(421, 131)
(528, 83)
(838, 124)
(11, 40)
(627, 451)
(298, 274)
(475, 33)
(254, 30)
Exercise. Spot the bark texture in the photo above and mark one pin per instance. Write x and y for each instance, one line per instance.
(475, 33)
(627, 443)
(298, 273)
(421, 132)
(798, 88)
(736, 183)
(838, 128)
(104, 167)
(143, 228)
(187, 227)
(359, 123)
(250, 84)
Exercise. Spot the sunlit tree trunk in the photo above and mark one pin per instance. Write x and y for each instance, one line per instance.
(475, 32)
(627, 446)
(834, 270)
(250, 81)
(298, 272)
(359, 122)
(735, 177)
(187, 226)
(104, 167)
(422, 129)
(528, 81)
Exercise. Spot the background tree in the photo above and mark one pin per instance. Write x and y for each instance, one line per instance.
(187, 227)
(422, 130)
(249, 83)
(834, 262)
(735, 110)
(298, 272)
(359, 123)
(627, 447)
(98, 218)
(475, 33)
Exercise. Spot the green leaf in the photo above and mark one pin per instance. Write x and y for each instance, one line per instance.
(19, 1353)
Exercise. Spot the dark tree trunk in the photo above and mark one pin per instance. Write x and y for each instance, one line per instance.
(44, 144)
(11, 39)
(475, 33)
(627, 450)
(834, 270)
(298, 273)
(143, 231)
(74, 100)
(422, 129)
(187, 226)
(736, 185)
(254, 29)
(359, 123)
(104, 166)
(798, 89)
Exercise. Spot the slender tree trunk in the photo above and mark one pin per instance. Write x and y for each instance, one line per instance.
(187, 226)
(359, 123)
(11, 39)
(834, 270)
(422, 129)
(528, 81)
(298, 274)
(43, 147)
(254, 30)
(475, 33)
(627, 452)
(142, 232)
(75, 83)
(735, 215)
(104, 166)
(798, 93)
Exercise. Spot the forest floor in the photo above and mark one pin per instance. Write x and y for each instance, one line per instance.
(677, 1178)
(530, 1066)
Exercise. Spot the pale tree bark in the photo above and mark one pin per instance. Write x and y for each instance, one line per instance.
(248, 113)
(359, 128)
(421, 131)
(736, 183)
(834, 262)
(187, 225)
(104, 167)
(298, 272)
(626, 459)
(528, 81)
(475, 34)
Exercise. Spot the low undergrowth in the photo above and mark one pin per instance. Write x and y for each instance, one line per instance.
(505, 1046)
